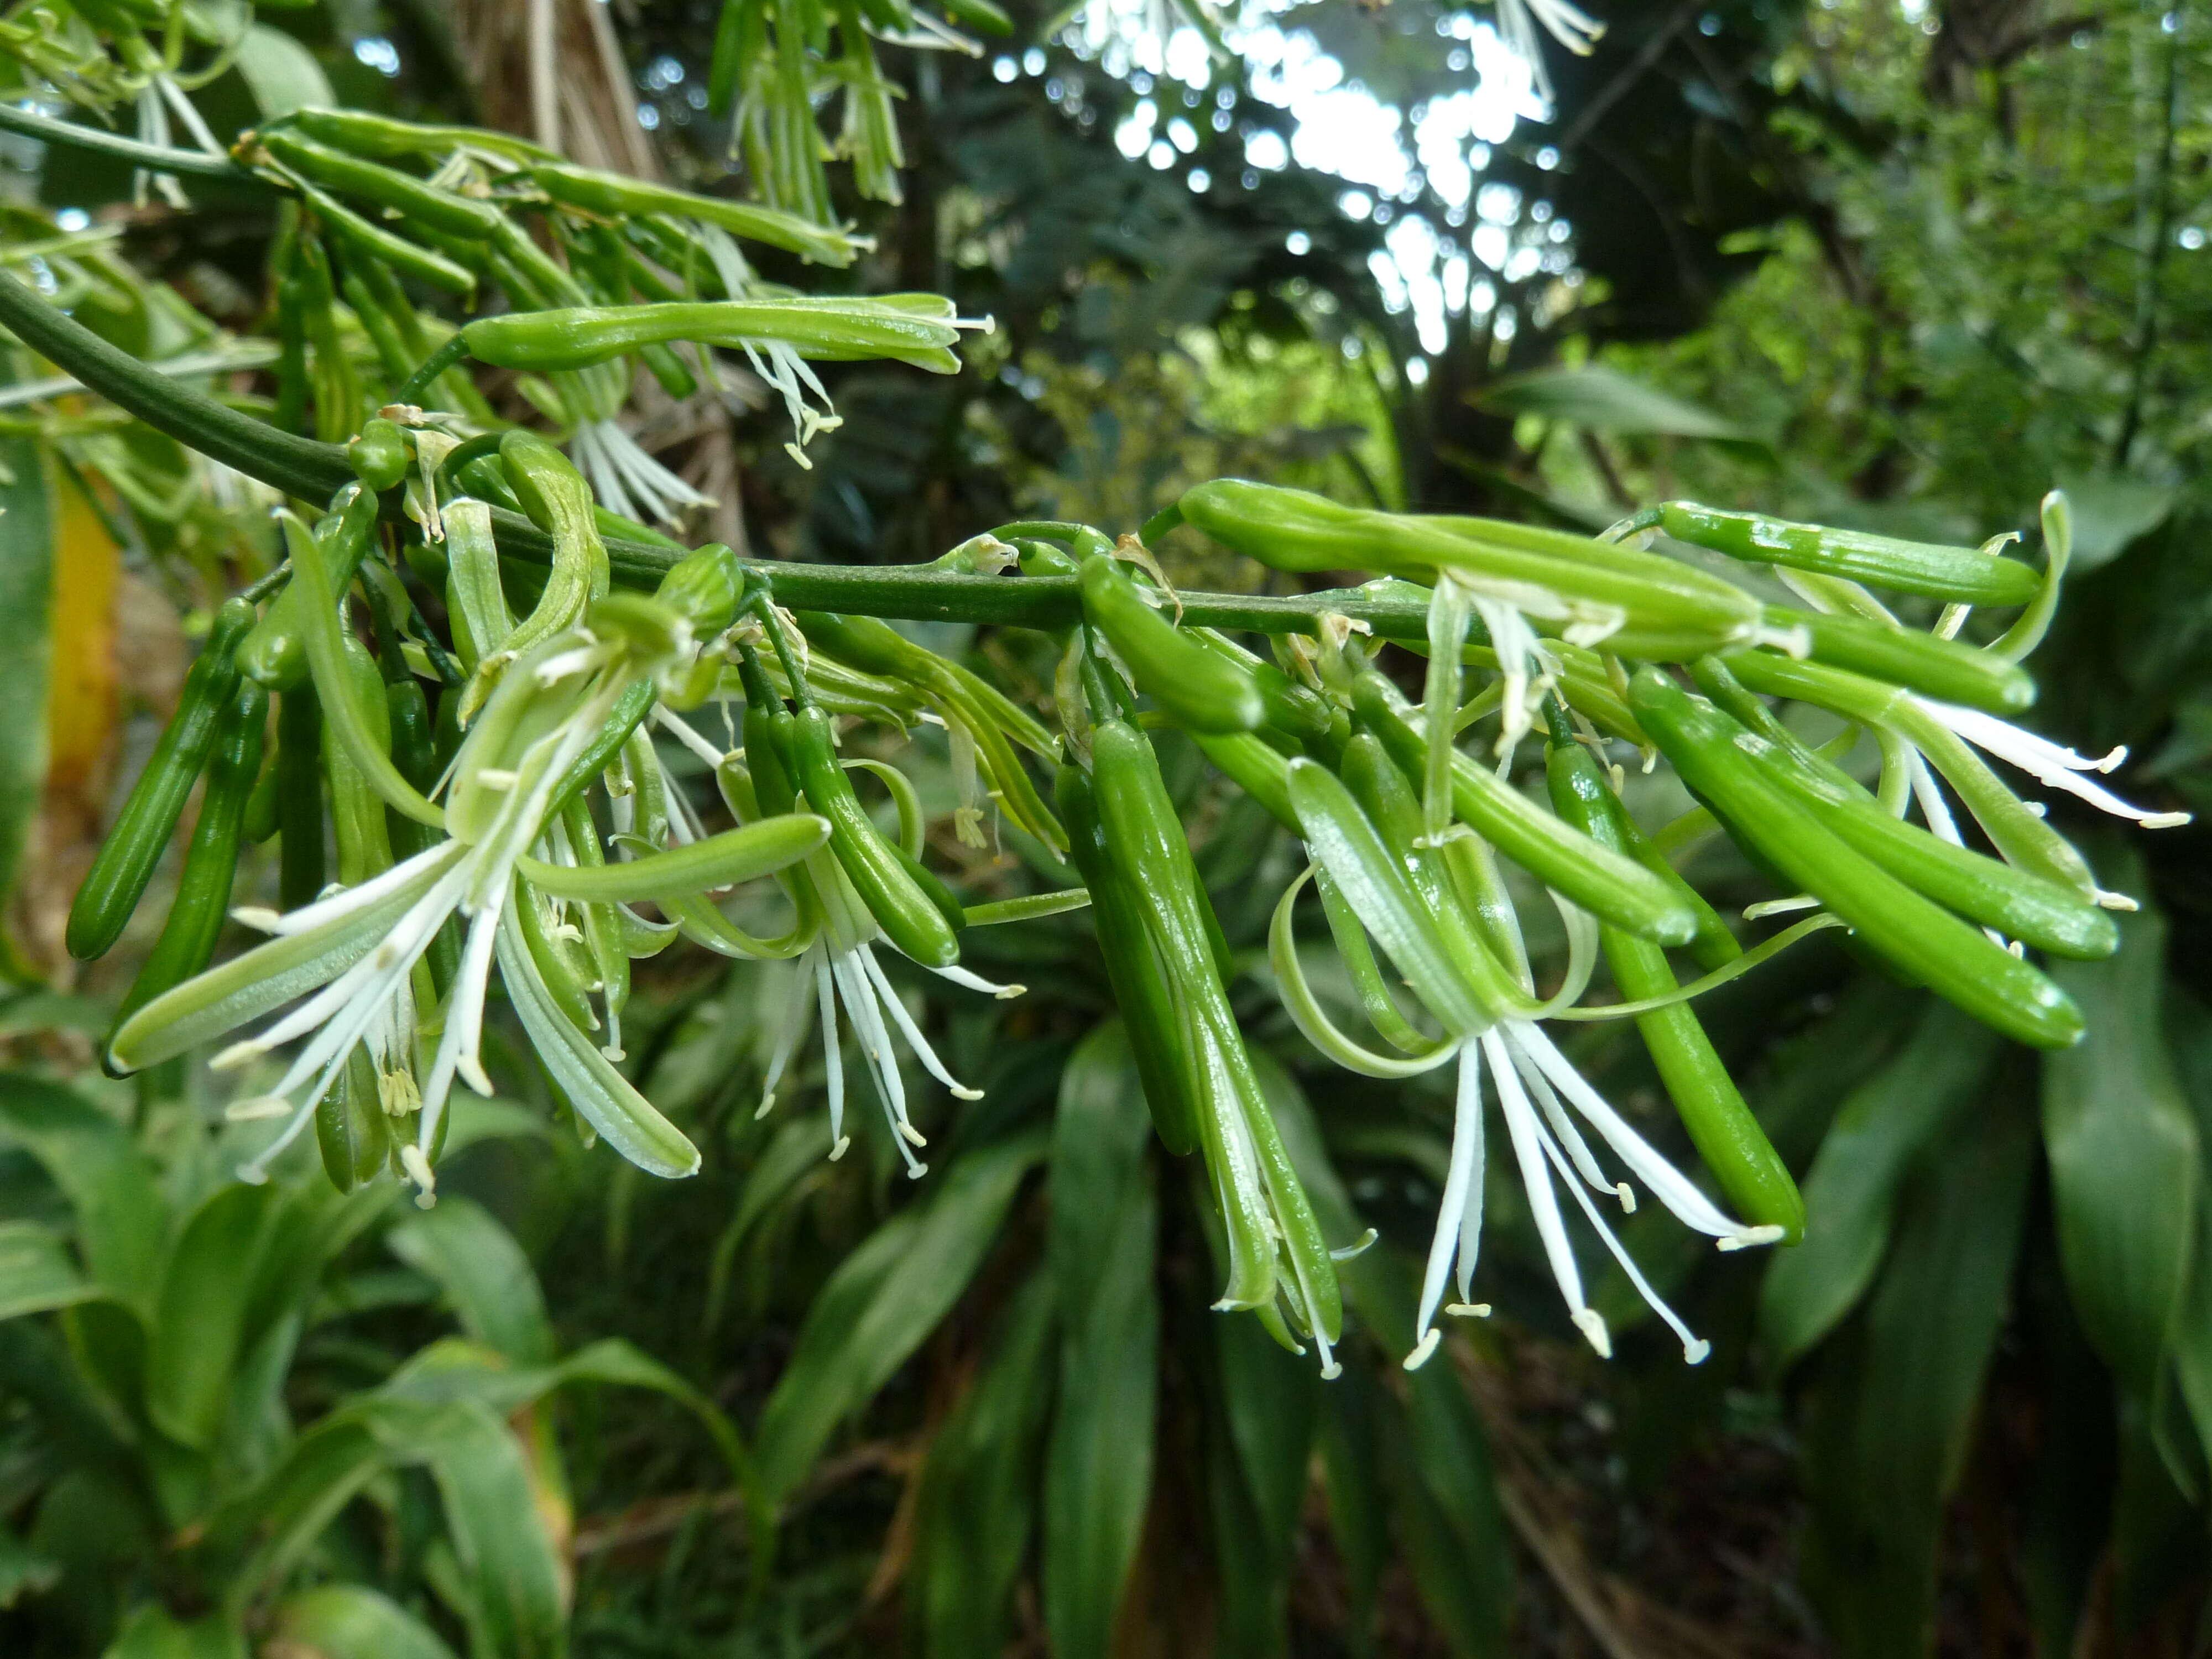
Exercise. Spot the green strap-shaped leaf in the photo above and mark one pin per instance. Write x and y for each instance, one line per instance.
(1098, 1465)
(791, 1155)
(2190, 1039)
(484, 1274)
(36, 1273)
(1264, 1409)
(979, 1488)
(28, 528)
(1451, 1521)
(120, 1215)
(2124, 1160)
(883, 1300)
(199, 1322)
(507, 1561)
(1897, 1391)
(456, 1369)
(1358, 1508)
(1435, 1468)
(1606, 400)
(352, 1621)
(287, 1511)
(1851, 1192)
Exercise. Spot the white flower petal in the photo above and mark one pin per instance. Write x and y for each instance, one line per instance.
(1528, 1137)
(1661, 1179)
(1465, 1171)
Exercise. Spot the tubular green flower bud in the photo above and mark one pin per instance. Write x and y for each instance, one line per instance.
(1726, 1135)
(902, 907)
(1717, 757)
(1922, 662)
(612, 195)
(1962, 575)
(275, 653)
(1202, 690)
(1603, 882)
(918, 329)
(1637, 604)
(124, 864)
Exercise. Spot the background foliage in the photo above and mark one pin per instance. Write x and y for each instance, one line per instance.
(1895, 266)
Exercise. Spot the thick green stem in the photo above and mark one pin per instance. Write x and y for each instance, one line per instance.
(298, 466)
(315, 471)
(157, 158)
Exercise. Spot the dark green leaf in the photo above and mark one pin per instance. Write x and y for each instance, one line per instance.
(882, 1301)
(1359, 1507)
(23, 1571)
(508, 1564)
(1256, 1473)
(199, 1320)
(1894, 1397)
(1098, 1467)
(120, 1217)
(484, 1274)
(979, 1490)
(1605, 400)
(1852, 1190)
(36, 1273)
(152, 1633)
(27, 555)
(2124, 1160)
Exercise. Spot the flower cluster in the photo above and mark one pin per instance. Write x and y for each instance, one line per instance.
(523, 826)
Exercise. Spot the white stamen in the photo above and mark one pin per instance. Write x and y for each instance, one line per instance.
(797, 1004)
(2048, 763)
(1527, 1138)
(912, 1032)
(1660, 1178)
(417, 1166)
(960, 976)
(832, 1058)
(683, 730)
(1693, 1348)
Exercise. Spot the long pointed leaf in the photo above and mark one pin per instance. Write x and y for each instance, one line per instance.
(879, 1305)
(978, 1489)
(120, 1217)
(2125, 1166)
(1098, 1466)
(484, 1275)
(1851, 1192)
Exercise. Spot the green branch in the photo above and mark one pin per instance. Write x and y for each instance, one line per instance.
(157, 158)
(315, 471)
(298, 466)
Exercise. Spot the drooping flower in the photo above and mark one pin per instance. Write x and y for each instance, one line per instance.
(1534, 1084)
(837, 969)
(356, 949)
(1485, 1015)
